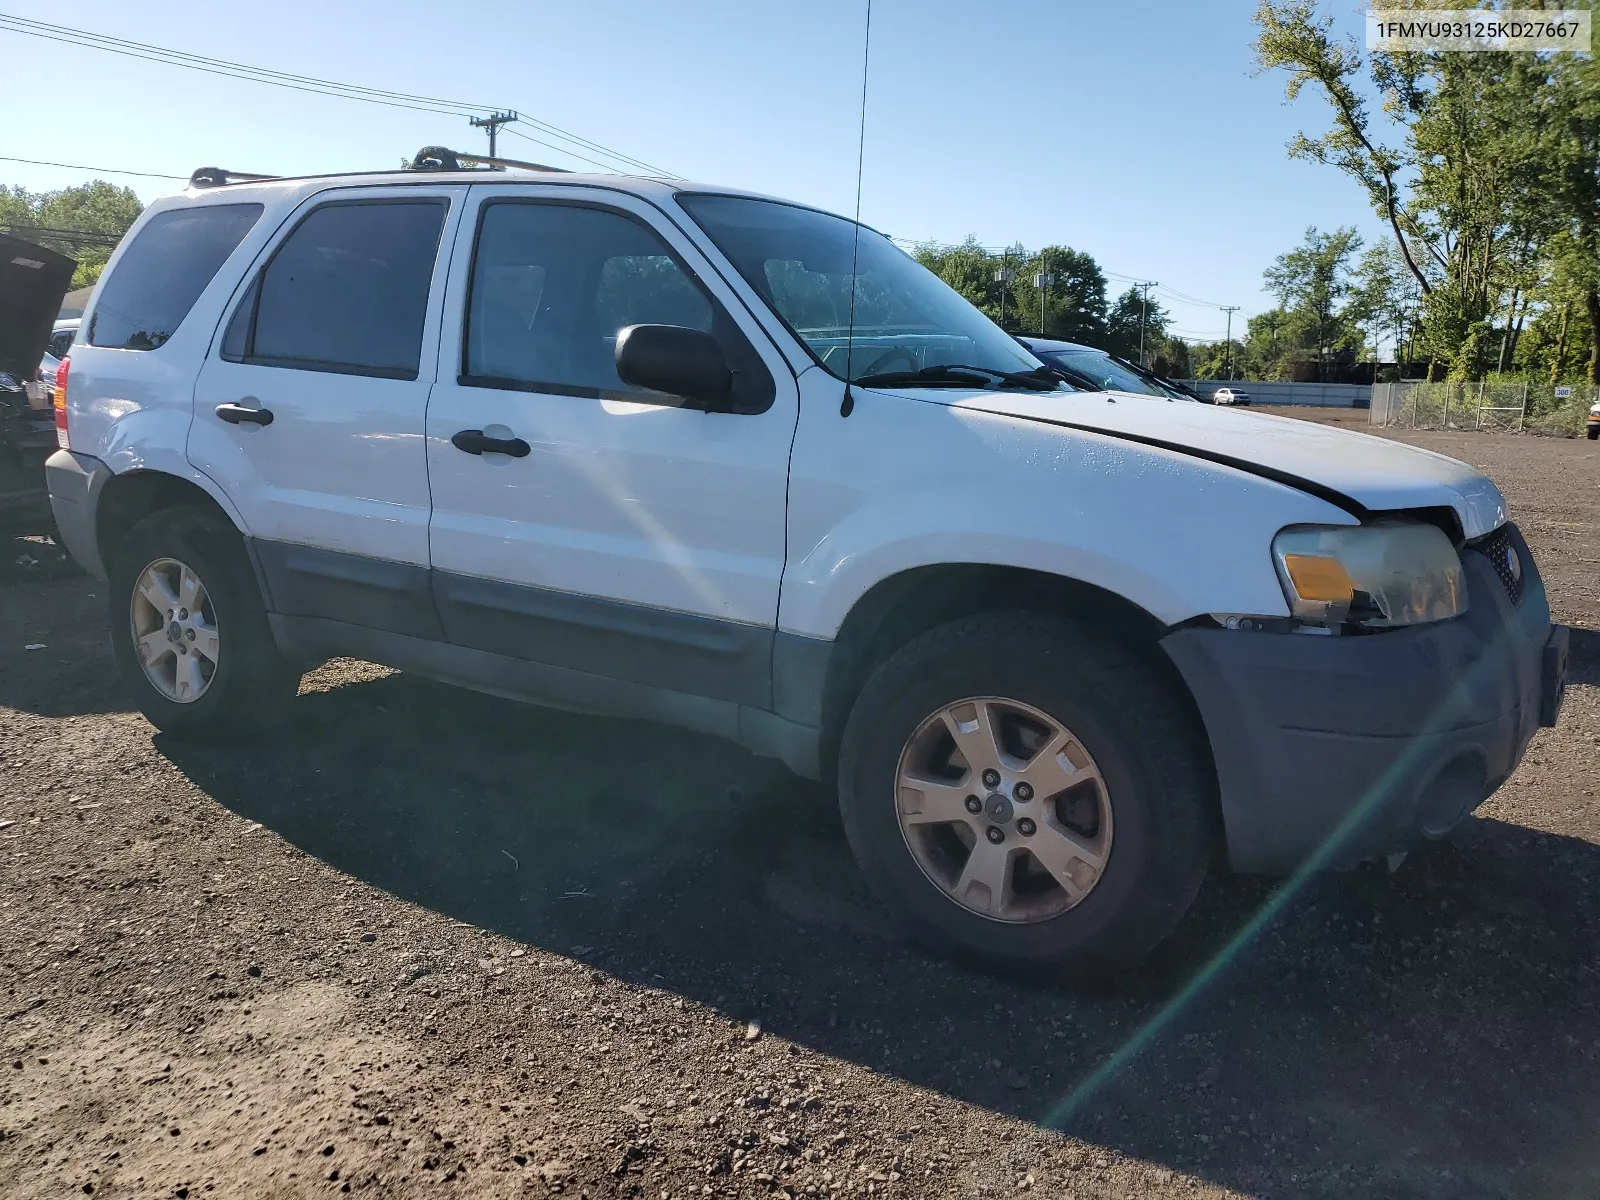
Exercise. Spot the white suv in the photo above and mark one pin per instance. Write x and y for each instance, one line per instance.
(589, 441)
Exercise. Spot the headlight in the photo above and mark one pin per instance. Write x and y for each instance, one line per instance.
(1376, 576)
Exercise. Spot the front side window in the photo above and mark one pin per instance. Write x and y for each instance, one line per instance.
(346, 292)
(552, 284)
(906, 318)
(162, 273)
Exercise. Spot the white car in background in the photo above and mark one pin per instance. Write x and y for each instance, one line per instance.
(1594, 423)
(1229, 396)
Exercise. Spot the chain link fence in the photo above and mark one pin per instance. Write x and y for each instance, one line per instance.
(1484, 407)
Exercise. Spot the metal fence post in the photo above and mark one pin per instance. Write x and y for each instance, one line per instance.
(1522, 414)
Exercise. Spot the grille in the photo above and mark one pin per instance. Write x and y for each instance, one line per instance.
(1499, 549)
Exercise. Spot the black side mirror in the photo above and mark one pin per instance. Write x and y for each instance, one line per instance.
(678, 361)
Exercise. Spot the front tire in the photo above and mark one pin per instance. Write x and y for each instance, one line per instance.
(1027, 795)
(189, 629)
(1594, 433)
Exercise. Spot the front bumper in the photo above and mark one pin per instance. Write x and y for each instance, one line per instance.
(1331, 750)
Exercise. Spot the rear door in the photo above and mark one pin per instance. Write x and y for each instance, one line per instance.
(310, 409)
(632, 538)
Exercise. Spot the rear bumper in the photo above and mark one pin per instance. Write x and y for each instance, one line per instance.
(75, 481)
(1331, 750)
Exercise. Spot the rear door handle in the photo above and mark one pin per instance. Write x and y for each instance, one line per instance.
(238, 414)
(473, 441)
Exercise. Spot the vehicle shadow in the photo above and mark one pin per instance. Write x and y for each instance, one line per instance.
(1430, 1033)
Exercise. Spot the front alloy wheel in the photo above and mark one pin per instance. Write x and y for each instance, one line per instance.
(174, 630)
(1004, 809)
(1027, 792)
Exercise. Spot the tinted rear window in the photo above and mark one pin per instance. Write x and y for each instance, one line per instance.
(163, 272)
(348, 291)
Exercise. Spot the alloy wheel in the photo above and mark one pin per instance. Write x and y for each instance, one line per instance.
(174, 630)
(1004, 809)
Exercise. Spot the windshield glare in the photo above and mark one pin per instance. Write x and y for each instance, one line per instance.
(1105, 371)
(906, 317)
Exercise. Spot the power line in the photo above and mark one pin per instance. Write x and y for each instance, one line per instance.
(47, 231)
(569, 153)
(39, 162)
(302, 83)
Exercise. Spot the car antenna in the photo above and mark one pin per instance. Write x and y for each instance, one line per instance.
(848, 404)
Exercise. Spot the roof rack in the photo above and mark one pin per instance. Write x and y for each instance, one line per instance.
(209, 177)
(429, 158)
(440, 158)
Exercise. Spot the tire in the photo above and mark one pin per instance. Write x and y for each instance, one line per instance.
(244, 684)
(1153, 797)
(1594, 433)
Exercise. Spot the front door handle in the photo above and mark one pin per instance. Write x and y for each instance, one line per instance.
(473, 441)
(238, 414)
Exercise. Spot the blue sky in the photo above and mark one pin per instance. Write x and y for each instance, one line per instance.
(1134, 132)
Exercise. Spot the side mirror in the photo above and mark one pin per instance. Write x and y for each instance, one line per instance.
(678, 361)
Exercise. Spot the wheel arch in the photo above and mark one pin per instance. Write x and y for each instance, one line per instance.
(908, 604)
(129, 497)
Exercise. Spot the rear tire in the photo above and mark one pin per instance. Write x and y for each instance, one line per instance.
(1594, 433)
(214, 672)
(1125, 851)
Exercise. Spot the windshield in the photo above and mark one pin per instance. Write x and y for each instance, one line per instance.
(1104, 370)
(907, 319)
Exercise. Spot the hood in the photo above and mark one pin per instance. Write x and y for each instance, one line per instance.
(1361, 473)
(32, 282)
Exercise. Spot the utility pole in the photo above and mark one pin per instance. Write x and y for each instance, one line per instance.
(1003, 275)
(1144, 304)
(492, 123)
(1041, 281)
(1227, 341)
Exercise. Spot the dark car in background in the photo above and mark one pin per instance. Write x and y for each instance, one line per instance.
(1096, 370)
(33, 280)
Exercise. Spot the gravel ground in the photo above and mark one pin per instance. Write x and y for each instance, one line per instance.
(426, 940)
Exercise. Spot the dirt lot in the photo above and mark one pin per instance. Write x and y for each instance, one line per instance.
(426, 941)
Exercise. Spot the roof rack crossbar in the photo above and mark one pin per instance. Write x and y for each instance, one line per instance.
(441, 158)
(209, 177)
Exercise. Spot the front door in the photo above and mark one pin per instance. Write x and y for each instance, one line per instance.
(623, 535)
(310, 409)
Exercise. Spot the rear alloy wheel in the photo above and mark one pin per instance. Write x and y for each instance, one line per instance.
(175, 629)
(190, 631)
(1028, 794)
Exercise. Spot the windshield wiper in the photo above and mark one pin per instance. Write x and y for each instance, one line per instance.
(1042, 379)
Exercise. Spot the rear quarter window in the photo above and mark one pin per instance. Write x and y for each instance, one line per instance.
(163, 271)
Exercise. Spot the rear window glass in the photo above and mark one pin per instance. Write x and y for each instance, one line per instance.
(163, 271)
(347, 291)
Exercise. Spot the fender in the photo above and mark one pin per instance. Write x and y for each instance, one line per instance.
(905, 484)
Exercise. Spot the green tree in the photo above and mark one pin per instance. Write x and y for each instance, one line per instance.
(96, 213)
(1490, 154)
(1314, 279)
(1123, 326)
(1572, 148)
(1074, 300)
(967, 268)
(1384, 298)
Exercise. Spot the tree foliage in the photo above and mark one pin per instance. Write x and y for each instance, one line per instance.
(1491, 176)
(98, 213)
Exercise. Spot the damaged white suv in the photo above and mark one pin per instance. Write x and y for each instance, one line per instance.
(626, 446)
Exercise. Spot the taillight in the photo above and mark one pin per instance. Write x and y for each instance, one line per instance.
(58, 397)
